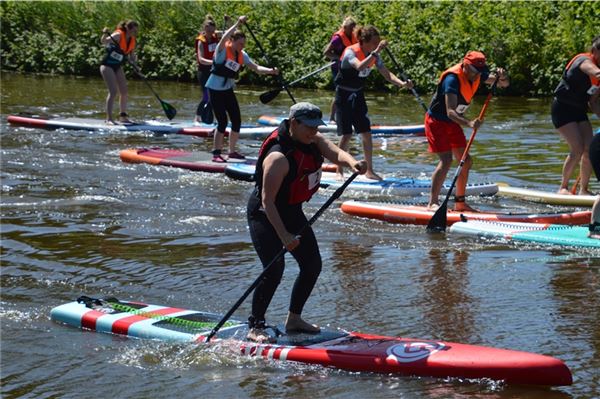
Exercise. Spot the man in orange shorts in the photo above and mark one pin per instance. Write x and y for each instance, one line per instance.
(445, 118)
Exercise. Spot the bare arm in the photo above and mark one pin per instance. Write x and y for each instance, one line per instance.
(275, 168)
(451, 105)
(503, 80)
(591, 69)
(106, 37)
(261, 69)
(201, 58)
(241, 20)
(338, 156)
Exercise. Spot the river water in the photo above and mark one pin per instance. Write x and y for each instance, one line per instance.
(76, 220)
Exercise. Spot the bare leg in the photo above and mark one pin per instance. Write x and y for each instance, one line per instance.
(461, 181)
(344, 145)
(333, 109)
(574, 138)
(123, 93)
(218, 141)
(586, 166)
(438, 177)
(110, 78)
(367, 142)
(233, 139)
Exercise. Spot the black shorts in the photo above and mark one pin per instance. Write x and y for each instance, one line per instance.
(563, 113)
(595, 155)
(351, 111)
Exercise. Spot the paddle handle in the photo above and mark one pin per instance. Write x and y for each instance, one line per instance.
(404, 77)
(281, 253)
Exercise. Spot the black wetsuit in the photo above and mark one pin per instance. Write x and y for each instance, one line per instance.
(267, 242)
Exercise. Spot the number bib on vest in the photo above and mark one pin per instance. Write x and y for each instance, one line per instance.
(314, 179)
(115, 56)
(232, 65)
(365, 72)
(212, 47)
(462, 108)
(593, 90)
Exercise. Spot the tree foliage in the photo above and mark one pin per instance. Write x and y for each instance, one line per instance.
(533, 40)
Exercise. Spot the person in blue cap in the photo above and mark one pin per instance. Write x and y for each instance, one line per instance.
(288, 173)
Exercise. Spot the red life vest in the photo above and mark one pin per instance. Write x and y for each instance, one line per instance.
(232, 66)
(126, 47)
(305, 161)
(350, 77)
(348, 41)
(209, 44)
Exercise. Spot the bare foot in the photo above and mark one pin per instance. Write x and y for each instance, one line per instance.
(433, 207)
(294, 323)
(585, 192)
(110, 122)
(373, 176)
(564, 191)
(260, 335)
(463, 207)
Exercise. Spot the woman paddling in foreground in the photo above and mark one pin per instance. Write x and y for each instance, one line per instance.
(445, 118)
(578, 89)
(111, 67)
(228, 61)
(288, 172)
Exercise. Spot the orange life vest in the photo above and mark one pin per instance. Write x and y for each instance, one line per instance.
(126, 47)
(349, 76)
(348, 41)
(232, 65)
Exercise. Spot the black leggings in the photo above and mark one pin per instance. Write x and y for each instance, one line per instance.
(224, 102)
(267, 245)
(202, 74)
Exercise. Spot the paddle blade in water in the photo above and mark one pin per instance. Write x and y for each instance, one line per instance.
(437, 223)
(170, 111)
(267, 97)
(206, 113)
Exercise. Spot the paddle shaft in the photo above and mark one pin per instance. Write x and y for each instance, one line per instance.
(268, 96)
(264, 54)
(282, 252)
(438, 220)
(404, 77)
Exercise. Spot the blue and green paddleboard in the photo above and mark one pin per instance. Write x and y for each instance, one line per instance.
(576, 236)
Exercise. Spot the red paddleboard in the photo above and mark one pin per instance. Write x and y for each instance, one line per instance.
(330, 348)
(414, 214)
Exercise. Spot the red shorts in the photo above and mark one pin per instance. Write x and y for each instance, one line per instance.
(443, 136)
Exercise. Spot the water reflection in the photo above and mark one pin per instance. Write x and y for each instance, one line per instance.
(447, 306)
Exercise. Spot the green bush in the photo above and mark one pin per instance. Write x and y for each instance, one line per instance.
(533, 40)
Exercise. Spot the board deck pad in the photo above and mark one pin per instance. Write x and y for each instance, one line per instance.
(377, 130)
(417, 214)
(387, 186)
(576, 236)
(330, 348)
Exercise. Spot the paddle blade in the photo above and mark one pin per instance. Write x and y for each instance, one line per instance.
(170, 111)
(437, 223)
(267, 97)
(206, 113)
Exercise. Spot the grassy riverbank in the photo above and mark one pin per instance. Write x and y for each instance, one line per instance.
(533, 40)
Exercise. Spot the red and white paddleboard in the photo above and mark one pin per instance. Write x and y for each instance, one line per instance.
(415, 214)
(163, 127)
(336, 349)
